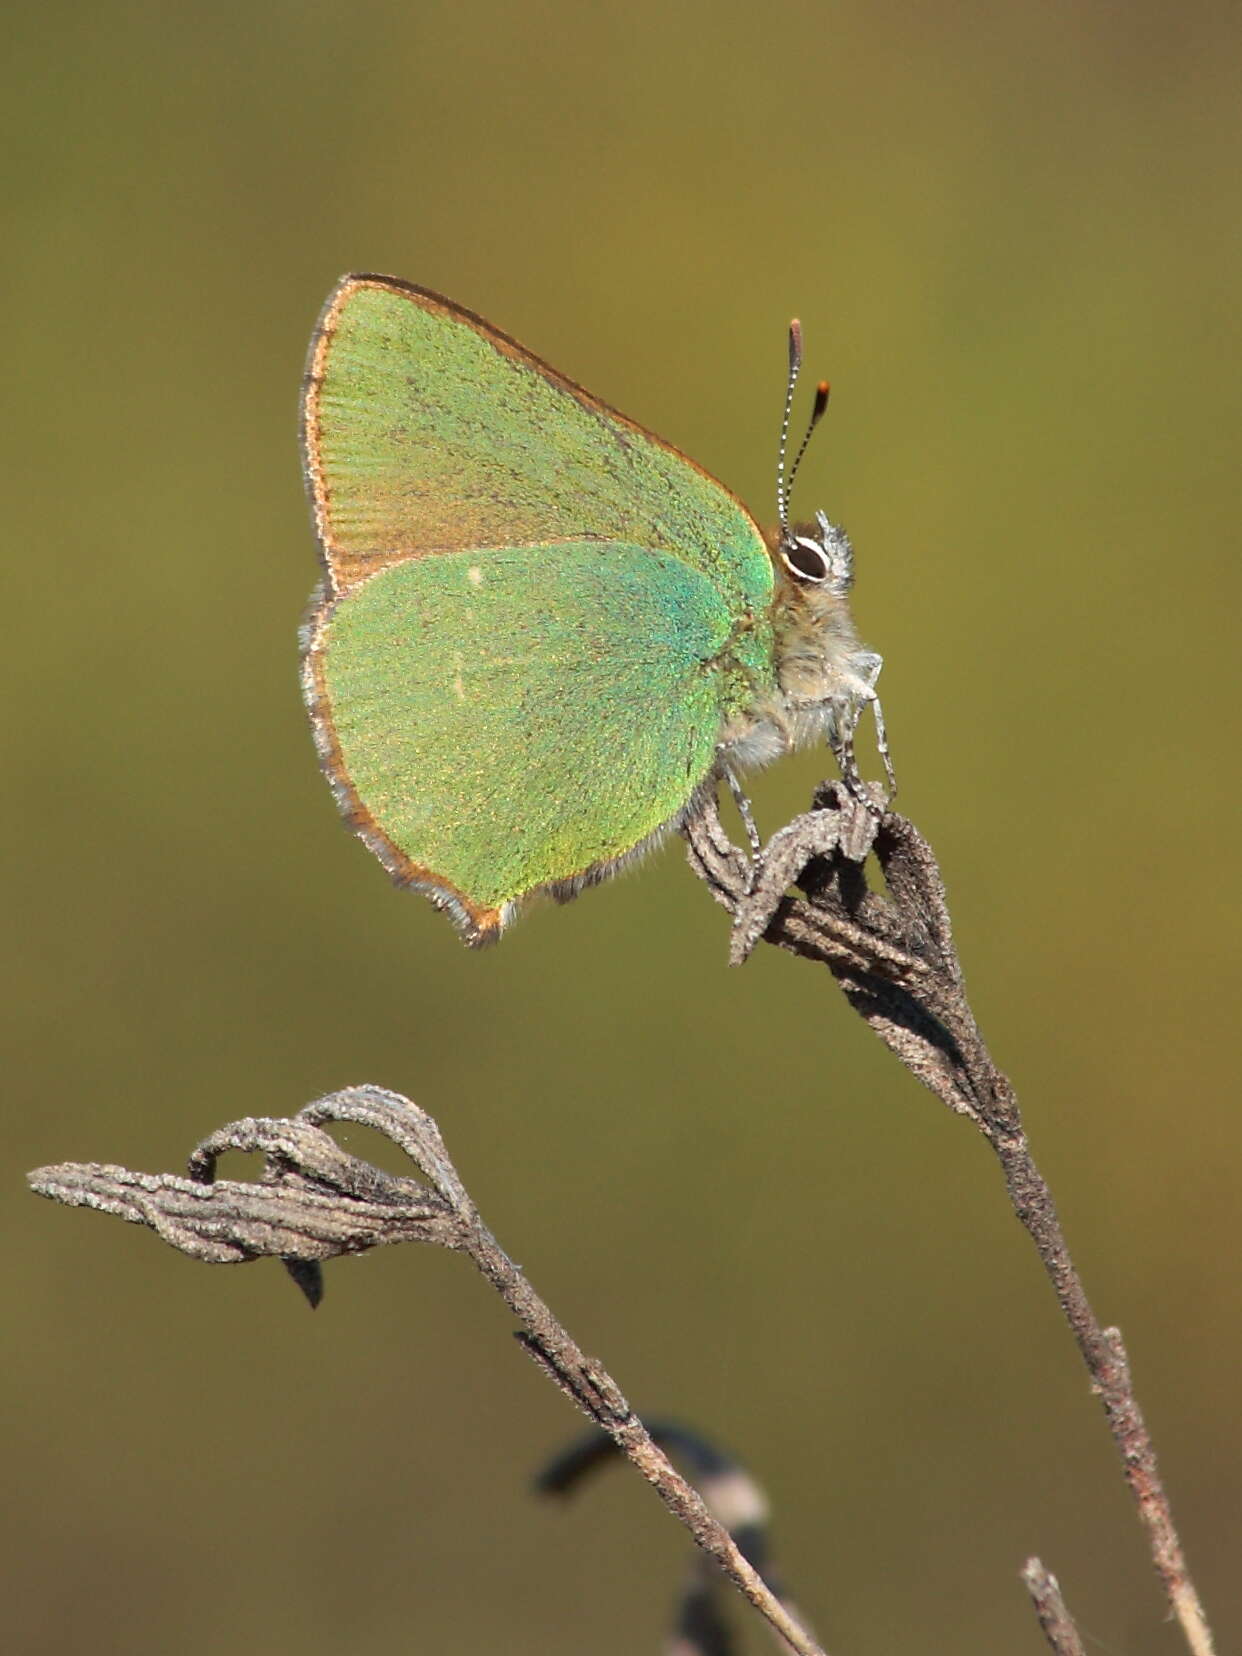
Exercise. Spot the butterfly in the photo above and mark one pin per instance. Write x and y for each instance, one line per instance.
(542, 633)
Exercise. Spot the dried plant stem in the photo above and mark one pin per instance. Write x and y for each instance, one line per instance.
(1054, 1618)
(892, 955)
(700, 1627)
(894, 958)
(315, 1201)
(590, 1387)
(1105, 1356)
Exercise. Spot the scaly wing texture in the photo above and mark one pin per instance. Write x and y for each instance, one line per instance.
(426, 430)
(536, 616)
(506, 720)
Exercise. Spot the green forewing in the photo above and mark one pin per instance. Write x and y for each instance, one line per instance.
(515, 718)
(430, 432)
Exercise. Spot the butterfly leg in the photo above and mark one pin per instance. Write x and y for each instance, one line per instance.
(841, 742)
(843, 727)
(881, 742)
(741, 800)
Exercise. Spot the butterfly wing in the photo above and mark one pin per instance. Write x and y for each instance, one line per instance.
(536, 616)
(505, 721)
(427, 430)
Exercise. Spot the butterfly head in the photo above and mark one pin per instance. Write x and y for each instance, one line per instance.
(826, 676)
(817, 557)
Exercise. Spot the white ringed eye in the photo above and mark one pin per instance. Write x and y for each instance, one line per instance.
(805, 558)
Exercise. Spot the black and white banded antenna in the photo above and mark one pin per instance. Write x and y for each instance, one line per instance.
(822, 393)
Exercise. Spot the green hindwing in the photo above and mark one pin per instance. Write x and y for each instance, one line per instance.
(520, 719)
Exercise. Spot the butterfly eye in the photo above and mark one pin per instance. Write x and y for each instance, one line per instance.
(805, 558)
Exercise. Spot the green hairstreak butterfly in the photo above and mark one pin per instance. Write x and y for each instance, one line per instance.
(542, 633)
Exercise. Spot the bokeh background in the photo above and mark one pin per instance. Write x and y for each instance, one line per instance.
(1012, 233)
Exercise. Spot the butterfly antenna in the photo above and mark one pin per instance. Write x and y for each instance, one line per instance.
(822, 392)
(795, 364)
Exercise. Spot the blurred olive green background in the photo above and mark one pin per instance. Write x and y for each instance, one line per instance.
(1012, 235)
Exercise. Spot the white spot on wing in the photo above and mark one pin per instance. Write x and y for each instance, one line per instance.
(475, 575)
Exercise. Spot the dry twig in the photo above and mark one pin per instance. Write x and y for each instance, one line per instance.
(314, 1201)
(894, 958)
(1054, 1618)
(700, 1625)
